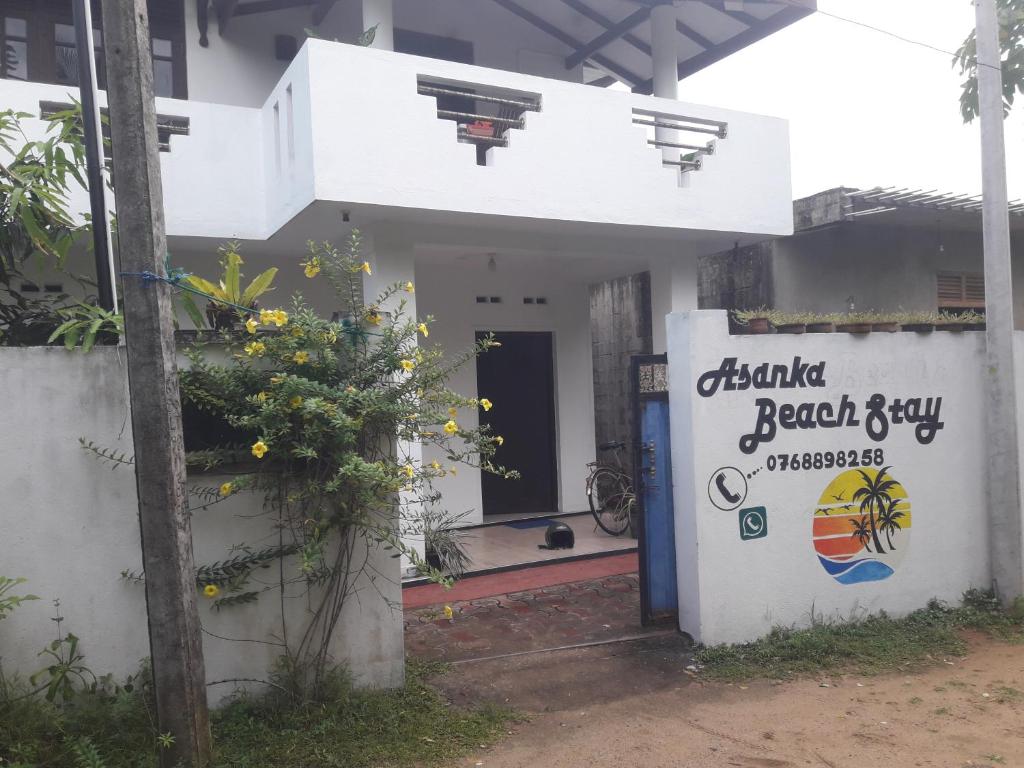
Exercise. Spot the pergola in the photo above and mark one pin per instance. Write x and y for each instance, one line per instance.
(634, 42)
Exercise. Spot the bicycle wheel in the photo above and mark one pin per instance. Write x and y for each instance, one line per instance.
(611, 499)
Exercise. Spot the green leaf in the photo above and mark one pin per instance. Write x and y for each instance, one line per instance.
(232, 273)
(189, 305)
(90, 335)
(207, 287)
(258, 287)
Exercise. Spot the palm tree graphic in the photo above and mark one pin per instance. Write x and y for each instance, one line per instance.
(862, 532)
(889, 520)
(874, 497)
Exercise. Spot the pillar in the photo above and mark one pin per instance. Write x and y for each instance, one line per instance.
(665, 60)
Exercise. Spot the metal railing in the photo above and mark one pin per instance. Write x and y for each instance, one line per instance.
(669, 126)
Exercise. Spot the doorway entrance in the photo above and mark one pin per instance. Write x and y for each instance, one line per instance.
(519, 378)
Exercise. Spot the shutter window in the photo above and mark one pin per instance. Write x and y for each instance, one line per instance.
(961, 290)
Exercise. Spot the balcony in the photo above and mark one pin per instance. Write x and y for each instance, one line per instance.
(415, 137)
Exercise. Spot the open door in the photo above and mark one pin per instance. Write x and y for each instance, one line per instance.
(518, 377)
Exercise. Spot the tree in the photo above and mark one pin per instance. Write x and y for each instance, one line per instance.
(874, 496)
(862, 532)
(1011, 39)
(889, 520)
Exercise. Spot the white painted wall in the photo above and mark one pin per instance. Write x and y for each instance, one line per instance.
(448, 290)
(735, 591)
(71, 526)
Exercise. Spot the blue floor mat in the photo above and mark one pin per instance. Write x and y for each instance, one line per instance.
(540, 522)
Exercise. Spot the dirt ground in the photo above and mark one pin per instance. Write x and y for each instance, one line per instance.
(635, 704)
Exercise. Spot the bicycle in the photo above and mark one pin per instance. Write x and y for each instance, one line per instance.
(610, 492)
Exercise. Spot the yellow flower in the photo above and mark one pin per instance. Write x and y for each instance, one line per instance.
(366, 268)
(408, 365)
(226, 488)
(301, 357)
(261, 397)
(373, 317)
(448, 612)
(312, 267)
(453, 412)
(251, 324)
(451, 427)
(298, 332)
(435, 465)
(295, 402)
(422, 328)
(276, 379)
(452, 470)
(211, 590)
(259, 448)
(255, 349)
(499, 440)
(276, 316)
(410, 288)
(408, 470)
(486, 404)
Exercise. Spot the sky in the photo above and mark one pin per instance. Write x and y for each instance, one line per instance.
(865, 110)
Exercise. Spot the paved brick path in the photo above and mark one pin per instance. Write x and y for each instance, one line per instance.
(581, 612)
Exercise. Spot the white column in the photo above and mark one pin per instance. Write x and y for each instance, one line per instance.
(381, 13)
(665, 59)
(392, 261)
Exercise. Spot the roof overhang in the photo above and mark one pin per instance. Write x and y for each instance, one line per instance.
(611, 38)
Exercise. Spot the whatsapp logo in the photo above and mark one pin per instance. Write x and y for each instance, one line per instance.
(753, 523)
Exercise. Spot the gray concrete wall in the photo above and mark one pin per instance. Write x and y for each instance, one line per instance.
(737, 279)
(883, 268)
(620, 327)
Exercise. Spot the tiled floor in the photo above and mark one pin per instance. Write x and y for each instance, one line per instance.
(498, 546)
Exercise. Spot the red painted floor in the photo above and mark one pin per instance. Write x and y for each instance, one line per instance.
(536, 577)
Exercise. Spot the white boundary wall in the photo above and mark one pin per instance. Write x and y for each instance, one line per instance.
(70, 526)
(737, 582)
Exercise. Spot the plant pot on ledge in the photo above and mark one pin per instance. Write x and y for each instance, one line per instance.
(795, 328)
(918, 327)
(221, 318)
(885, 327)
(758, 325)
(855, 328)
(823, 327)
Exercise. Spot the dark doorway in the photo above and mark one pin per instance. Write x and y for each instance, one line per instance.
(519, 378)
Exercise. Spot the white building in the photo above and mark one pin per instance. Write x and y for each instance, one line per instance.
(478, 147)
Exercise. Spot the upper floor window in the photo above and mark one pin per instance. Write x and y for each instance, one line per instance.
(15, 49)
(961, 291)
(39, 44)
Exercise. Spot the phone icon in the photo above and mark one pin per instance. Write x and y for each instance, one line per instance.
(753, 523)
(727, 488)
(732, 498)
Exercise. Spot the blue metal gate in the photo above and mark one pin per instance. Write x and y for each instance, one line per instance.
(653, 483)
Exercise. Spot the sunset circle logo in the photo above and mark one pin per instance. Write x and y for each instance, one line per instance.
(862, 525)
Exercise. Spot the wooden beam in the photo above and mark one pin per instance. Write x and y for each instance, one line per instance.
(603, 82)
(611, 34)
(742, 16)
(321, 11)
(224, 9)
(629, 78)
(267, 6)
(599, 18)
(203, 21)
(687, 31)
(767, 27)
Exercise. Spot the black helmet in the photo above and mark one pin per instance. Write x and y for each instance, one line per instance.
(559, 536)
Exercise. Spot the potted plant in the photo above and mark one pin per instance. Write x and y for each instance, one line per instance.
(855, 322)
(973, 321)
(949, 321)
(821, 323)
(918, 322)
(790, 322)
(227, 300)
(885, 322)
(444, 543)
(755, 321)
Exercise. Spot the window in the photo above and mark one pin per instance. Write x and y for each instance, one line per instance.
(15, 47)
(66, 55)
(961, 291)
(38, 38)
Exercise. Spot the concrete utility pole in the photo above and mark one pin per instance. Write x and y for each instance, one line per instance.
(1004, 495)
(174, 631)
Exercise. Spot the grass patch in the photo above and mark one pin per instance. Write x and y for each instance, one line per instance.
(409, 726)
(870, 645)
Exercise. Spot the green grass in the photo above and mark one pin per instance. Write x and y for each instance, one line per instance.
(410, 726)
(870, 645)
